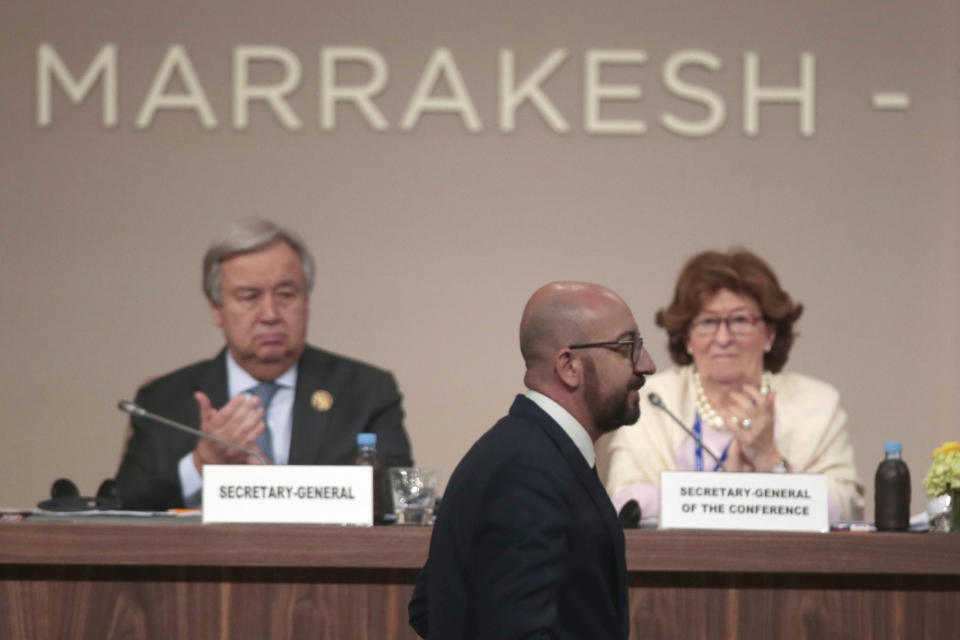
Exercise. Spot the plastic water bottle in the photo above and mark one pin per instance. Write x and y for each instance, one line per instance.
(892, 490)
(367, 455)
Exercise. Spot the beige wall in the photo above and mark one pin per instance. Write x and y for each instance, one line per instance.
(429, 240)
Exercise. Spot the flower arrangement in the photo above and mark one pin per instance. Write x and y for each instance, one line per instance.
(944, 474)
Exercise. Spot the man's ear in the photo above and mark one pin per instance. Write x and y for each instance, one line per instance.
(217, 313)
(569, 368)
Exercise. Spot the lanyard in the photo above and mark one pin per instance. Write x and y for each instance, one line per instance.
(698, 451)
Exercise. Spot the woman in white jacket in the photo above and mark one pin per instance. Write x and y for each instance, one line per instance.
(730, 330)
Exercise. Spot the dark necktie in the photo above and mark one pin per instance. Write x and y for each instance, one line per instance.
(265, 391)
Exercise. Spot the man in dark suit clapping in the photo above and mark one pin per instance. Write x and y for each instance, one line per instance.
(266, 390)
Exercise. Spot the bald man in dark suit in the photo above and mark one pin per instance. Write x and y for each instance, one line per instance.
(527, 543)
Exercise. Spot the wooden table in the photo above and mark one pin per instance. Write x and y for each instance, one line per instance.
(177, 580)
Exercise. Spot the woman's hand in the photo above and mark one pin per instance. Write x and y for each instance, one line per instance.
(753, 447)
(736, 462)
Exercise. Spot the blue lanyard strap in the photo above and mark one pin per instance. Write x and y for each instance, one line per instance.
(698, 450)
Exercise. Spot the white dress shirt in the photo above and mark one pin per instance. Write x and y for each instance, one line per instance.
(569, 425)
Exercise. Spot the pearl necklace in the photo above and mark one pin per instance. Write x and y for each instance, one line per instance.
(707, 413)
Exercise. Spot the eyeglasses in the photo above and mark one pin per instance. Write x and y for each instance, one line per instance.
(635, 343)
(740, 324)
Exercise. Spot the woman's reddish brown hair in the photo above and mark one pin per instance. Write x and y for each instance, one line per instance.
(739, 271)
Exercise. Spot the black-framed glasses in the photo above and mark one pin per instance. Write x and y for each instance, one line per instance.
(739, 324)
(635, 343)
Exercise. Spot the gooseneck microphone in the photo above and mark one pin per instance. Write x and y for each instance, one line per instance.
(657, 401)
(136, 410)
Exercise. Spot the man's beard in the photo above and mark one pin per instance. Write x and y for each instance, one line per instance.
(612, 412)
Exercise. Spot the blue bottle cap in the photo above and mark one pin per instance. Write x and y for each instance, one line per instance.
(366, 439)
(892, 446)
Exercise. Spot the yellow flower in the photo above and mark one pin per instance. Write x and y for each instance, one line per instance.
(944, 473)
(946, 448)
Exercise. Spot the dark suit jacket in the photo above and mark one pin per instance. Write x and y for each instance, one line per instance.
(527, 543)
(364, 399)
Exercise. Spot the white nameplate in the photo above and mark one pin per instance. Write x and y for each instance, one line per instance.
(743, 501)
(288, 493)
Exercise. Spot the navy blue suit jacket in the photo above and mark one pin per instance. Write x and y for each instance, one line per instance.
(364, 399)
(526, 544)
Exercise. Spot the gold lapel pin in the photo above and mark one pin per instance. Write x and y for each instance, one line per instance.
(321, 400)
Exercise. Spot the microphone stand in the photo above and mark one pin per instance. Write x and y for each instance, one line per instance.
(136, 410)
(657, 401)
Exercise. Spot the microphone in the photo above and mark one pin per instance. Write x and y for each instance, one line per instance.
(138, 411)
(630, 515)
(657, 401)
